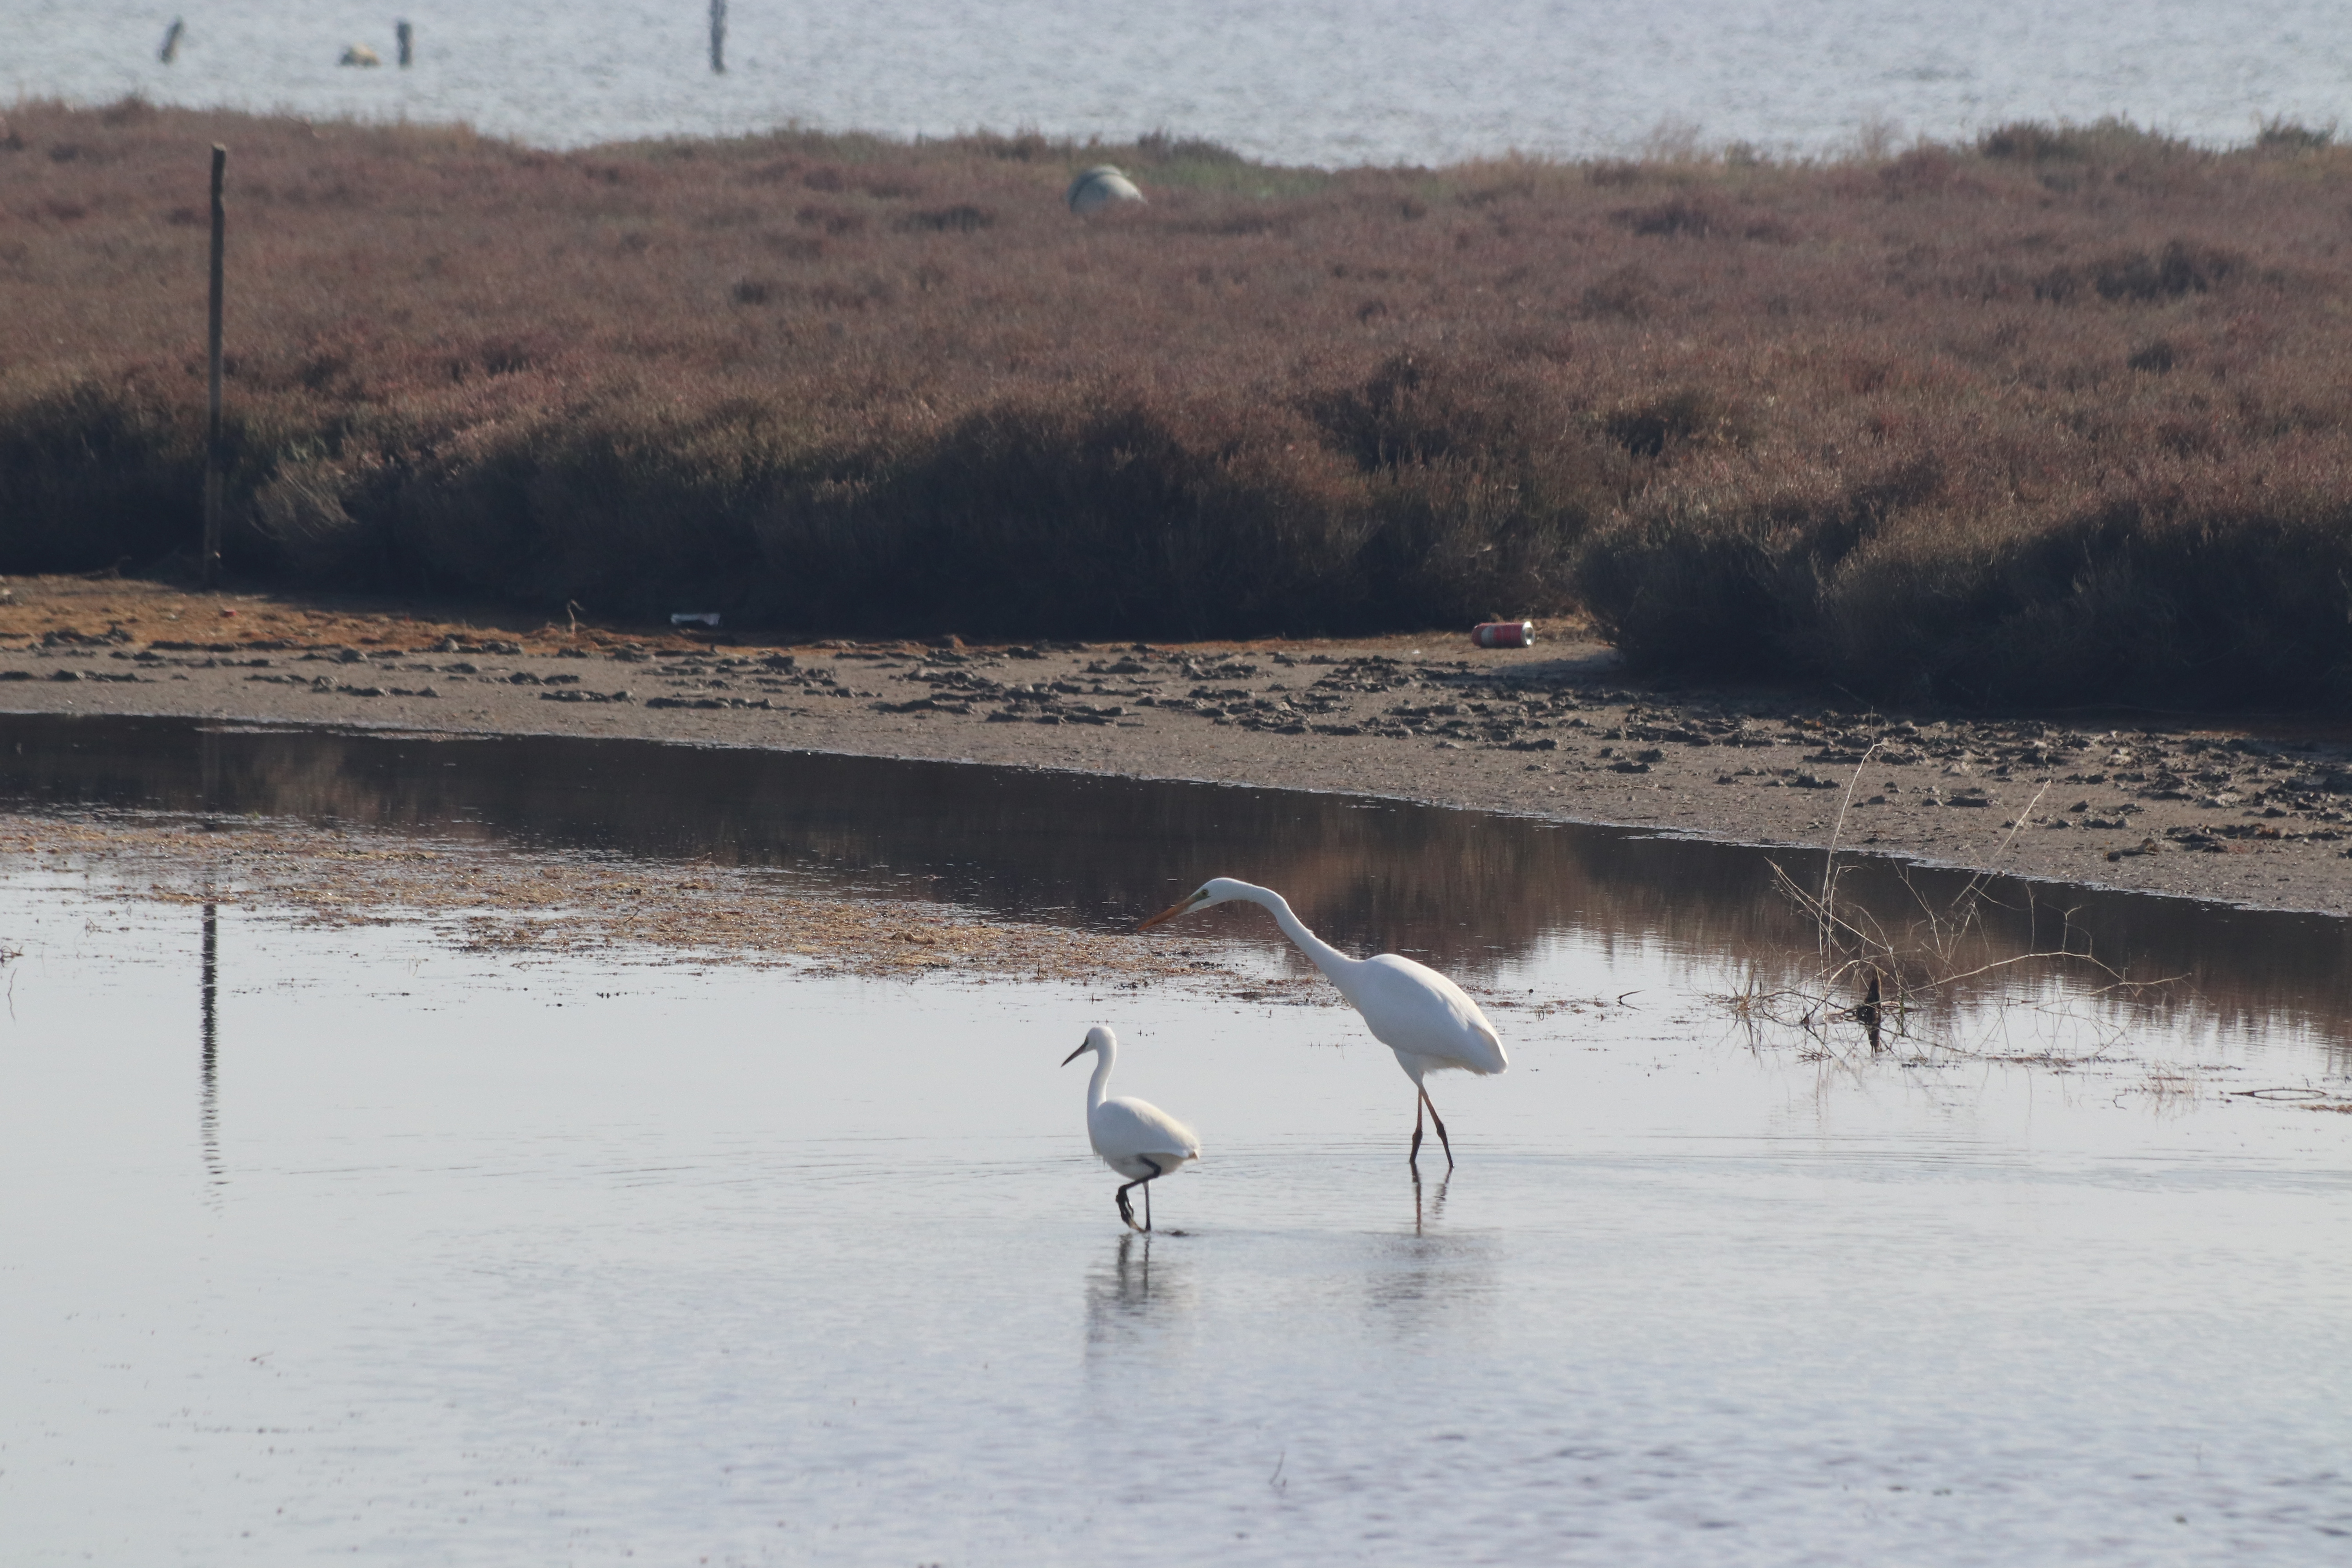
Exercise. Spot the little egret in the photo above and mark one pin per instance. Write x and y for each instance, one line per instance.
(1427, 1020)
(1134, 1137)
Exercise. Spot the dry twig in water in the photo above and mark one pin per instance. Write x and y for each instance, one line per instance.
(1893, 975)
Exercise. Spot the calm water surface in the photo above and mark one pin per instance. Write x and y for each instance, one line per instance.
(432, 1256)
(1477, 893)
(1313, 82)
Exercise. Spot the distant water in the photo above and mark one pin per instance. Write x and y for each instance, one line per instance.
(1311, 81)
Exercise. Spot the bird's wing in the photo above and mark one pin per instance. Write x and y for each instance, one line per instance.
(1124, 1126)
(1412, 1008)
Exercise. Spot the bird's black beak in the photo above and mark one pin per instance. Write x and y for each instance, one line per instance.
(1073, 1056)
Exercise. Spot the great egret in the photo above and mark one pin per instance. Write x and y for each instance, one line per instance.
(1427, 1020)
(1134, 1137)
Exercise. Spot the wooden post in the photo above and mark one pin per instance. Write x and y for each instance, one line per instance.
(407, 36)
(718, 36)
(171, 50)
(210, 564)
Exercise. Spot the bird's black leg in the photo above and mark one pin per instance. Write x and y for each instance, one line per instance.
(1127, 1213)
(1413, 1155)
(1440, 1121)
(1156, 1173)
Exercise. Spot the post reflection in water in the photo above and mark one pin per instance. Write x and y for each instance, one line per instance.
(1468, 893)
(208, 1109)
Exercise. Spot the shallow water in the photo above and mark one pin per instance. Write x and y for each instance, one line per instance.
(439, 1258)
(1486, 895)
(340, 1241)
(1307, 81)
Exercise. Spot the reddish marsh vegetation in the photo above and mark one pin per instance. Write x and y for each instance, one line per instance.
(2062, 416)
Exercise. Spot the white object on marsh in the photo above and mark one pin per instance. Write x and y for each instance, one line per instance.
(1427, 1020)
(1100, 187)
(1134, 1137)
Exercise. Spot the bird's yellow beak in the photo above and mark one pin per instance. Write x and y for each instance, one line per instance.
(1073, 1056)
(1170, 913)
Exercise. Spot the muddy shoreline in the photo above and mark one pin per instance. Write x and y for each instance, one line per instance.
(2247, 814)
(532, 906)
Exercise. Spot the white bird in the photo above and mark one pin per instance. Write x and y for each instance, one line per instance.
(1427, 1020)
(1134, 1137)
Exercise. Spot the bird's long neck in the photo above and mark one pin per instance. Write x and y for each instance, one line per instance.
(1105, 1054)
(1328, 958)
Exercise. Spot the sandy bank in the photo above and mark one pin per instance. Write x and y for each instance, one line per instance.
(2255, 816)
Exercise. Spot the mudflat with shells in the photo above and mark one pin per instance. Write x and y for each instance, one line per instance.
(2255, 812)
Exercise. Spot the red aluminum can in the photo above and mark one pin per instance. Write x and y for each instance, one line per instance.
(1502, 634)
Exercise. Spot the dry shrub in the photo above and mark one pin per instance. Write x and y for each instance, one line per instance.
(1649, 427)
(96, 476)
(2173, 589)
(2058, 415)
(2280, 135)
(1095, 512)
(1742, 581)
(2108, 140)
(1679, 216)
(2178, 590)
(1102, 513)
(2180, 268)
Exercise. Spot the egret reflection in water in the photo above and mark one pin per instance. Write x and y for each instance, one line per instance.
(1133, 1298)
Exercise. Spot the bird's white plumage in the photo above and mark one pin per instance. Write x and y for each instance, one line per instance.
(1427, 1020)
(1133, 1137)
(1124, 1131)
